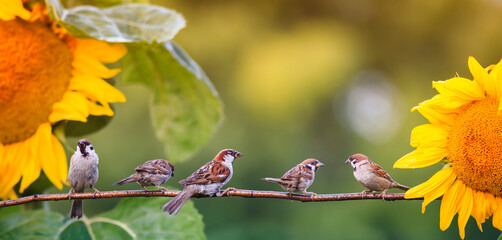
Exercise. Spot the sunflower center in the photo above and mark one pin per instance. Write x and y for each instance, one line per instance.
(35, 70)
(475, 146)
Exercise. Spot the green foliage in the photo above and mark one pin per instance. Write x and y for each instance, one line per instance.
(121, 23)
(133, 218)
(30, 225)
(185, 107)
(99, 3)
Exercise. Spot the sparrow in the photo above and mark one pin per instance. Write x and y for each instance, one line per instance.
(82, 174)
(298, 178)
(371, 175)
(206, 180)
(151, 173)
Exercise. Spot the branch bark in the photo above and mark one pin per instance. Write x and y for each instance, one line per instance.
(234, 193)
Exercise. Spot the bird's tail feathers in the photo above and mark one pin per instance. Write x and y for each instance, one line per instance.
(174, 206)
(269, 179)
(77, 209)
(126, 180)
(402, 187)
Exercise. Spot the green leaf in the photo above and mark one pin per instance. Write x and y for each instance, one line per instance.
(76, 230)
(185, 107)
(145, 218)
(121, 23)
(133, 218)
(30, 225)
(10, 210)
(99, 3)
(500, 237)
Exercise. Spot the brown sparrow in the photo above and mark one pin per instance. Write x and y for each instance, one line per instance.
(83, 173)
(151, 173)
(299, 178)
(207, 180)
(371, 175)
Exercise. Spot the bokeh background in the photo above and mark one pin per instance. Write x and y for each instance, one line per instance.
(322, 79)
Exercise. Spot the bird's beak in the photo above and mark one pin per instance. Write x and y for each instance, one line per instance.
(81, 146)
(347, 162)
(238, 154)
(172, 174)
(320, 164)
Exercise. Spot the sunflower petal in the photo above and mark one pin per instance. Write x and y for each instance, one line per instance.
(497, 215)
(95, 88)
(435, 187)
(12, 170)
(45, 150)
(60, 156)
(24, 158)
(10, 9)
(478, 208)
(460, 87)
(491, 204)
(431, 184)
(1, 154)
(429, 135)
(447, 103)
(465, 204)
(73, 106)
(31, 171)
(83, 63)
(421, 157)
(99, 110)
(433, 115)
(482, 78)
(12, 194)
(103, 51)
(496, 74)
(449, 204)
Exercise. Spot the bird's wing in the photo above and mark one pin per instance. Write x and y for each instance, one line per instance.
(212, 172)
(157, 166)
(297, 172)
(376, 169)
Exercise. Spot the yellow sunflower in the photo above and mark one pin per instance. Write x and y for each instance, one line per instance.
(465, 134)
(46, 76)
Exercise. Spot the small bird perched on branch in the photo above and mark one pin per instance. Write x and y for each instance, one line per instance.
(151, 173)
(298, 178)
(83, 174)
(206, 180)
(371, 175)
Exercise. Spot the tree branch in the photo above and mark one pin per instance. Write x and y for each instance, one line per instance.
(236, 193)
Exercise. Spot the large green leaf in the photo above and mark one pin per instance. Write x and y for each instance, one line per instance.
(121, 23)
(30, 225)
(99, 3)
(133, 218)
(185, 107)
(146, 220)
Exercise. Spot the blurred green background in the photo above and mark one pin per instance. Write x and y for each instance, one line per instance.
(300, 79)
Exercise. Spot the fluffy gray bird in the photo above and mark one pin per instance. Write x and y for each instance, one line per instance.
(151, 173)
(83, 174)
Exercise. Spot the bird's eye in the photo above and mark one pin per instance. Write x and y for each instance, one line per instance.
(92, 148)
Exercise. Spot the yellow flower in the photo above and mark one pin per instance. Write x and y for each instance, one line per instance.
(46, 76)
(464, 133)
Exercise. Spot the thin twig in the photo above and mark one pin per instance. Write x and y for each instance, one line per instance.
(235, 193)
